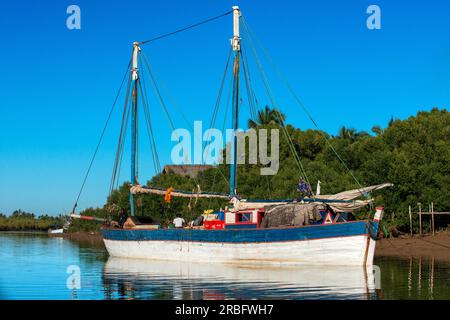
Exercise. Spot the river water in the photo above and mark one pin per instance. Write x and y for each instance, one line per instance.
(35, 266)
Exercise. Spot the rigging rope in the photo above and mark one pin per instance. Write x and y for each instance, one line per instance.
(187, 28)
(252, 100)
(277, 112)
(164, 86)
(218, 100)
(101, 138)
(122, 134)
(227, 104)
(161, 100)
(151, 135)
(121, 150)
(300, 103)
(248, 84)
(157, 92)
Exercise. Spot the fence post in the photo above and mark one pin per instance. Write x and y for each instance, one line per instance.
(432, 216)
(410, 221)
(420, 218)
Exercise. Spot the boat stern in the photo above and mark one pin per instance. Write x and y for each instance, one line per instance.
(373, 228)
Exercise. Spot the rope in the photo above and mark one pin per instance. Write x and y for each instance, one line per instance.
(218, 100)
(301, 104)
(248, 84)
(160, 99)
(121, 150)
(186, 28)
(157, 92)
(371, 231)
(252, 100)
(101, 138)
(170, 97)
(151, 135)
(277, 112)
(122, 134)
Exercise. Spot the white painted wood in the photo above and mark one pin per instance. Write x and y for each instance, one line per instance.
(230, 217)
(56, 231)
(136, 49)
(378, 214)
(236, 41)
(371, 252)
(333, 251)
(255, 216)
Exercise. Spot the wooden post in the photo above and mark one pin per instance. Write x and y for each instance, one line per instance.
(410, 221)
(420, 218)
(432, 216)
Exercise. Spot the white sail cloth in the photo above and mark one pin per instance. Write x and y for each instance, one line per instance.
(337, 206)
(137, 189)
(237, 204)
(353, 194)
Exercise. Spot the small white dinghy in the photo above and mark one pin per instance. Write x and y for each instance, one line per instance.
(56, 231)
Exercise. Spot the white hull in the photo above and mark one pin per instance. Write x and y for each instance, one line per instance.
(56, 231)
(345, 251)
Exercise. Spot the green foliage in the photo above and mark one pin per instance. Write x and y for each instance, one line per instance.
(413, 154)
(266, 117)
(25, 221)
(89, 226)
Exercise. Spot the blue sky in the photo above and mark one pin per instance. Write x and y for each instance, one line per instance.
(57, 85)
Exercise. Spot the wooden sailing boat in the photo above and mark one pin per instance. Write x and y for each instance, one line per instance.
(246, 234)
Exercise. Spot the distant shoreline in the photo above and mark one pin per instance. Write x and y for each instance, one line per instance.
(25, 231)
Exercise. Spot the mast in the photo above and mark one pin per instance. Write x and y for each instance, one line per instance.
(236, 46)
(134, 124)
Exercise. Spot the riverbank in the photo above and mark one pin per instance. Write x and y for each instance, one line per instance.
(417, 246)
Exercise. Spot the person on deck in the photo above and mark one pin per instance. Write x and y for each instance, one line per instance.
(123, 216)
(179, 222)
(304, 188)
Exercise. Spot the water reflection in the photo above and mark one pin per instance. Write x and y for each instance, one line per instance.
(414, 278)
(34, 266)
(143, 279)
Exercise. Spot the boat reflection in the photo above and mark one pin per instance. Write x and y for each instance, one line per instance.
(145, 279)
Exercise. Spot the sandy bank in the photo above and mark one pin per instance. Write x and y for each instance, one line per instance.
(425, 246)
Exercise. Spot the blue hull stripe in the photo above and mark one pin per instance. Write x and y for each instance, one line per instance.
(240, 235)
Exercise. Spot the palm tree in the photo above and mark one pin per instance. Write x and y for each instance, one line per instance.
(347, 133)
(377, 130)
(266, 117)
(351, 134)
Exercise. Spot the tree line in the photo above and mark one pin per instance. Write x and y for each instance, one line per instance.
(25, 221)
(413, 154)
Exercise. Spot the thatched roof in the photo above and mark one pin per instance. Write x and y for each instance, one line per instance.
(186, 170)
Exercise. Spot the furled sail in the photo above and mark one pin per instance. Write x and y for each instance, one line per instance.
(340, 202)
(138, 189)
(337, 206)
(353, 194)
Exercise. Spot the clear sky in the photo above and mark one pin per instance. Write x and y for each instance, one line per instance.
(57, 85)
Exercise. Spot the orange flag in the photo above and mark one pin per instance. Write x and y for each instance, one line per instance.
(168, 195)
